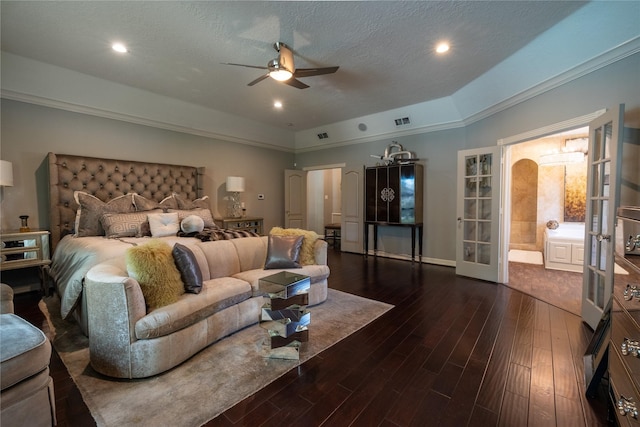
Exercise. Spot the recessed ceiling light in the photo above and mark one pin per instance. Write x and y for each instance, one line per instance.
(277, 104)
(442, 47)
(119, 47)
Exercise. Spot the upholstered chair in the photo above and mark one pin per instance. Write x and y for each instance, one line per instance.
(26, 393)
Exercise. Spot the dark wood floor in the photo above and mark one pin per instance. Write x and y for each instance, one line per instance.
(453, 352)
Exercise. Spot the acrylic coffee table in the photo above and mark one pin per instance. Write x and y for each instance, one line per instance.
(285, 315)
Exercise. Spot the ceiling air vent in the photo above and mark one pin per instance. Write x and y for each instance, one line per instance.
(323, 135)
(402, 121)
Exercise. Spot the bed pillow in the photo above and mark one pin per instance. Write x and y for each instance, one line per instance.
(91, 209)
(192, 224)
(202, 202)
(205, 214)
(307, 252)
(188, 267)
(141, 203)
(163, 224)
(134, 224)
(283, 252)
(153, 267)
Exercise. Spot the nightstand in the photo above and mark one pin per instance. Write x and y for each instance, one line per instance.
(246, 223)
(26, 249)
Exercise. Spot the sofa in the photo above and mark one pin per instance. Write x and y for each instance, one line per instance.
(27, 396)
(128, 341)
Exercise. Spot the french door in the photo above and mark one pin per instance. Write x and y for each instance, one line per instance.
(478, 213)
(603, 194)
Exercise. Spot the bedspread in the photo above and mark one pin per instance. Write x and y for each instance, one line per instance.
(74, 256)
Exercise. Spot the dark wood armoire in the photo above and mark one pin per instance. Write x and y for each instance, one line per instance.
(393, 197)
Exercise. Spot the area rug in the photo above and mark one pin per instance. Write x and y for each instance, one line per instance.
(210, 382)
(526, 257)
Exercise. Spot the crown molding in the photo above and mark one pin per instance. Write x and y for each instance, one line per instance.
(618, 53)
(418, 130)
(83, 109)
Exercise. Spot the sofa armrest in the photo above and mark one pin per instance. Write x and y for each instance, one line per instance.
(320, 252)
(114, 305)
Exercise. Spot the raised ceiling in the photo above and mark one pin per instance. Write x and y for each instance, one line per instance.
(385, 50)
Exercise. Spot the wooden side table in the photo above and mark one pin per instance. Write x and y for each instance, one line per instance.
(246, 224)
(26, 249)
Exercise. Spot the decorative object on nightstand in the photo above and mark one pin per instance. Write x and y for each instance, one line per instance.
(27, 249)
(235, 185)
(24, 224)
(241, 224)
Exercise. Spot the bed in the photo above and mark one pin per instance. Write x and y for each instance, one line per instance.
(101, 188)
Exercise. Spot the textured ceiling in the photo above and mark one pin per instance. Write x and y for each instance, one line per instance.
(384, 49)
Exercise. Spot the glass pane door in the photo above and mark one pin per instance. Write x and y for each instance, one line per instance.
(478, 200)
(605, 143)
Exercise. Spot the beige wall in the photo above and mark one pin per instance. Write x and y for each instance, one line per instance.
(29, 132)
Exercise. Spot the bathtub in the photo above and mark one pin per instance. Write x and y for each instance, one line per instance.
(564, 247)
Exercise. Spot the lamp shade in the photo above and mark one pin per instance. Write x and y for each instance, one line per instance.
(235, 184)
(6, 173)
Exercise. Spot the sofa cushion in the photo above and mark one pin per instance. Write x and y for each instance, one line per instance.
(188, 267)
(216, 295)
(153, 267)
(25, 350)
(283, 252)
(307, 252)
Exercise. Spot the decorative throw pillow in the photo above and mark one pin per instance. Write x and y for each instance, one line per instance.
(307, 252)
(91, 209)
(202, 202)
(283, 252)
(205, 214)
(141, 203)
(192, 224)
(164, 224)
(188, 267)
(132, 224)
(153, 267)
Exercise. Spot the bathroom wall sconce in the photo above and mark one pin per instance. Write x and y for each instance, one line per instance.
(235, 186)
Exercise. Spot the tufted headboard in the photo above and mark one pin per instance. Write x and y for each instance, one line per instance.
(108, 178)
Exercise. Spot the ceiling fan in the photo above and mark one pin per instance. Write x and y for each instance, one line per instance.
(283, 69)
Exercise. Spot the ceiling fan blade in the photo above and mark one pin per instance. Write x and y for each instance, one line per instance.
(258, 80)
(308, 72)
(295, 83)
(245, 65)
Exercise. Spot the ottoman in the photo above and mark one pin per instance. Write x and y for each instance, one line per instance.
(26, 394)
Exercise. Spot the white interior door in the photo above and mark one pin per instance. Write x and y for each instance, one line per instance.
(295, 199)
(603, 194)
(478, 213)
(352, 215)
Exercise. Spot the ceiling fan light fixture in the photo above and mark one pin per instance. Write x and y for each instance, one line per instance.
(280, 75)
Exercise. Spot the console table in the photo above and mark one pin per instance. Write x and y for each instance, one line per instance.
(416, 227)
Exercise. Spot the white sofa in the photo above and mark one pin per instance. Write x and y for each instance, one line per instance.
(127, 342)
